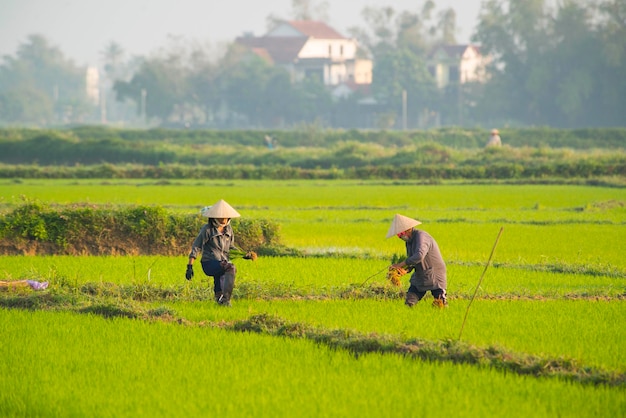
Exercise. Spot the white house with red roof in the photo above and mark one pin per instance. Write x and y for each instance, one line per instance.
(457, 64)
(312, 49)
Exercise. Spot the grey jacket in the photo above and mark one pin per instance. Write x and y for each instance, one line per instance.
(424, 257)
(212, 244)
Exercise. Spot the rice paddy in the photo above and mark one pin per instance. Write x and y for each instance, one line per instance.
(128, 336)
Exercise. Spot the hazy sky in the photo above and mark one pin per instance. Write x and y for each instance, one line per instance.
(82, 28)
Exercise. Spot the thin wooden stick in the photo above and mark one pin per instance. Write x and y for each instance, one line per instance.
(480, 281)
(375, 274)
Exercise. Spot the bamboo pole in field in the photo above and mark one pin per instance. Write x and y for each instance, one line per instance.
(480, 281)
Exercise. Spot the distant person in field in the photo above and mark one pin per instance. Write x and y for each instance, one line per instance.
(494, 139)
(423, 258)
(213, 244)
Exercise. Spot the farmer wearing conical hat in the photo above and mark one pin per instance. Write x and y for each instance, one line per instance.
(494, 139)
(213, 243)
(423, 258)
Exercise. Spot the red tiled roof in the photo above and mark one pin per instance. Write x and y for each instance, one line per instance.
(315, 29)
(280, 49)
(285, 49)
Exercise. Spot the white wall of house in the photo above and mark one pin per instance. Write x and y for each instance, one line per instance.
(473, 66)
(334, 73)
(337, 73)
(335, 49)
(469, 67)
(360, 71)
(442, 75)
(92, 85)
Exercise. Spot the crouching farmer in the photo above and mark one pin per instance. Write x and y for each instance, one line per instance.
(214, 242)
(423, 258)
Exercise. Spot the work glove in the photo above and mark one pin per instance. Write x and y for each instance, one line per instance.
(189, 272)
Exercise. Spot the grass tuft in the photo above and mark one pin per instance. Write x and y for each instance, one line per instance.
(109, 311)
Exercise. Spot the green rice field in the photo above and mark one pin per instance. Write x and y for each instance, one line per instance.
(325, 333)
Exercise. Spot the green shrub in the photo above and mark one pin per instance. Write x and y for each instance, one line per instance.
(79, 229)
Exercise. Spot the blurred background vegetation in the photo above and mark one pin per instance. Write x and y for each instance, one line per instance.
(558, 64)
(528, 154)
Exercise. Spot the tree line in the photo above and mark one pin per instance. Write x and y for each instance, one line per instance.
(561, 67)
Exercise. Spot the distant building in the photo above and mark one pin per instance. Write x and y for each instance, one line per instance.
(311, 49)
(457, 64)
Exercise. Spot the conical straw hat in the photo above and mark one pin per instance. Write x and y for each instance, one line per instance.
(400, 224)
(220, 210)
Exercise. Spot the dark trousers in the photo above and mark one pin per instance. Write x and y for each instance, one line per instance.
(216, 270)
(437, 293)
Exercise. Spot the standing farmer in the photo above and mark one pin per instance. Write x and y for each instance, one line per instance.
(494, 139)
(424, 258)
(214, 242)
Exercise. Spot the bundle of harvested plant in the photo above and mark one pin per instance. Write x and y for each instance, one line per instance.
(250, 255)
(394, 274)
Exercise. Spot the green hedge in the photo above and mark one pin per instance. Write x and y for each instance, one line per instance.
(98, 152)
(60, 149)
(35, 228)
(317, 137)
(491, 171)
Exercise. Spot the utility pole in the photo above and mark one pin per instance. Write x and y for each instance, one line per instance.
(404, 112)
(103, 106)
(144, 93)
(460, 102)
